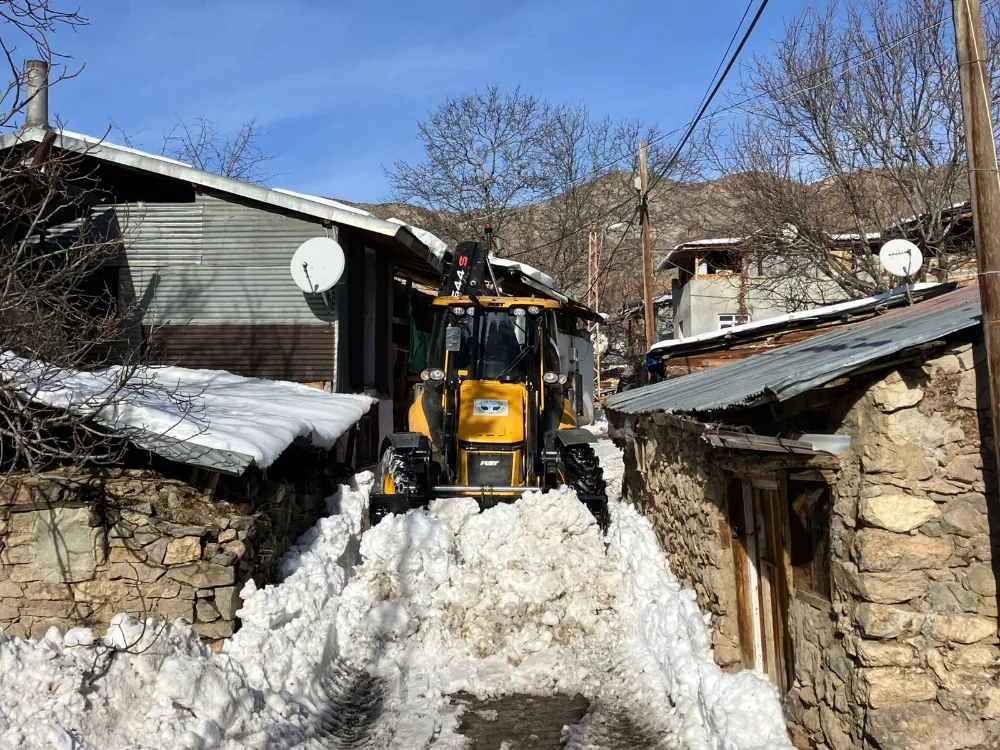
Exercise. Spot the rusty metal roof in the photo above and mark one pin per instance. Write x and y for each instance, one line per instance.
(781, 374)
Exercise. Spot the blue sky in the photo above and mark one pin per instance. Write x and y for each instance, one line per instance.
(339, 87)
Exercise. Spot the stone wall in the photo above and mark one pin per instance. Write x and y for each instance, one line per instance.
(904, 655)
(76, 550)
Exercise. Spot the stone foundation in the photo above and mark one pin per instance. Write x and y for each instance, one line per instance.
(76, 550)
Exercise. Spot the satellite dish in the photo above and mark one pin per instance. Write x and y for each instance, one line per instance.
(900, 258)
(317, 265)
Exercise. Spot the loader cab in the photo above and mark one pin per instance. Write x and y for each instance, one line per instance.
(493, 388)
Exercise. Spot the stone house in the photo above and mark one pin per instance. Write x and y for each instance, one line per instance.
(834, 505)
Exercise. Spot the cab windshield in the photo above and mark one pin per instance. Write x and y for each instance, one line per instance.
(497, 344)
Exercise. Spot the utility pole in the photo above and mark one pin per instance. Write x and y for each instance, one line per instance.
(984, 184)
(593, 274)
(647, 251)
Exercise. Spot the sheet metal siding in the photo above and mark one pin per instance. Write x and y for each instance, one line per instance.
(240, 235)
(198, 295)
(280, 352)
(784, 373)
(160, 234)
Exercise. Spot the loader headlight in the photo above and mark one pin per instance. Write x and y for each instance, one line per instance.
(518, 312)
(534, 309)
(425, 375)
(563, 379)
(460, 311)
(436, 374)
(551, 378)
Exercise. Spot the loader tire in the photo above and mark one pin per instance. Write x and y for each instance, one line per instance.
(584, 474)
(395, 489)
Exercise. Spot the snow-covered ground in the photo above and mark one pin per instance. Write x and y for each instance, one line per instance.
(368, 635)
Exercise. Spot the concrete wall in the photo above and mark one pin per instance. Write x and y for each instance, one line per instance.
(905, 654)
(74, 551)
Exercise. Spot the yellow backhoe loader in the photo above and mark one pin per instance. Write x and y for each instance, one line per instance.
(493, 419)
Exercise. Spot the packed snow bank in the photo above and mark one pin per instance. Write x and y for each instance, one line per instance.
(368, 635)
(208, 408)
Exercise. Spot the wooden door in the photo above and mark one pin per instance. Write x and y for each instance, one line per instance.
(759, 551)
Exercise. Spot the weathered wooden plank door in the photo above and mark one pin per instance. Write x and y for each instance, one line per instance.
(757, 516)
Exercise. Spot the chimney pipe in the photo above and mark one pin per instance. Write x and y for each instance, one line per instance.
(36, 72)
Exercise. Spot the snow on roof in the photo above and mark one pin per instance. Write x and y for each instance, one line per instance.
(709, 241)
(435, 244)
(325, 201)
(202, 417)
(814, 312)
(309, 205)
(530, 271)
(856, 236)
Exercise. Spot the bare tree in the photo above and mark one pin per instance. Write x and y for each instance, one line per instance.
(202, 145)
(852, 126)
(61, 313)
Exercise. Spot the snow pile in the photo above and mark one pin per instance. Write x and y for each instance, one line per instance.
(368, 635)
(530, 271)
(204, 408)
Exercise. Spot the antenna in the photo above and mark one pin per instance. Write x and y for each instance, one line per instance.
(317, 265)
(900, 258)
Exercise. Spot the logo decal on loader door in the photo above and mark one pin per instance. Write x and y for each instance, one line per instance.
(490, 407)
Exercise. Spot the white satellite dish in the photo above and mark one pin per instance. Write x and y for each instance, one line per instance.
(900, 258)
(317, 265)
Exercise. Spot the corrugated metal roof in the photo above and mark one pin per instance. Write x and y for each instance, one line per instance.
(781, 374)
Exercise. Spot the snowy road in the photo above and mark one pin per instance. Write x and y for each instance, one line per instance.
(517, 627)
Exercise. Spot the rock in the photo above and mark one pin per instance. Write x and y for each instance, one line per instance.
(135, 572)
(923, 726)
(951, 598)
(961, 469)
(980, 578)
(931, 529)
(172, 609)
(206, 611)
(236, 548)
(51, 609)
(882, 654)
(883, 588)
(162, 589)
(26, 573)
(990, 697)
(947, 364)
(9, 590)
(833, 729)
(810, 719)
(898, 512)
(224, 559)
(214, 630)
(958, 682)
(8, 612)
(884, 551)
(38, 590)
(227, 600)
(884, 621)
(64, 544)
(101, 591)
(176, 529)
(126, 555)
(963, 519)
(973, 391)
(972, 657)
(906, 459)
(203, 575)
(884, 687)
(893, 393)
(227, 536)
(182, 550)
(962, 628)
(930, 433)
(156, 551)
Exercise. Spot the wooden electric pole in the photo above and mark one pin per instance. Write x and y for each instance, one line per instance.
(984, 183)
(647, 251)
(593, 302)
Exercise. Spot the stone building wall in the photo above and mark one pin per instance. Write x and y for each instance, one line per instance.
(905, 654)
(74, 551)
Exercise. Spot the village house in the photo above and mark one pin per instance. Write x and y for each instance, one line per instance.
(722, 282)
(833, 503)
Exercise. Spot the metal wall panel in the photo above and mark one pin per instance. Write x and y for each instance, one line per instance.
(198, 295)
(160, 234)
(302, 353)
(239, 235)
